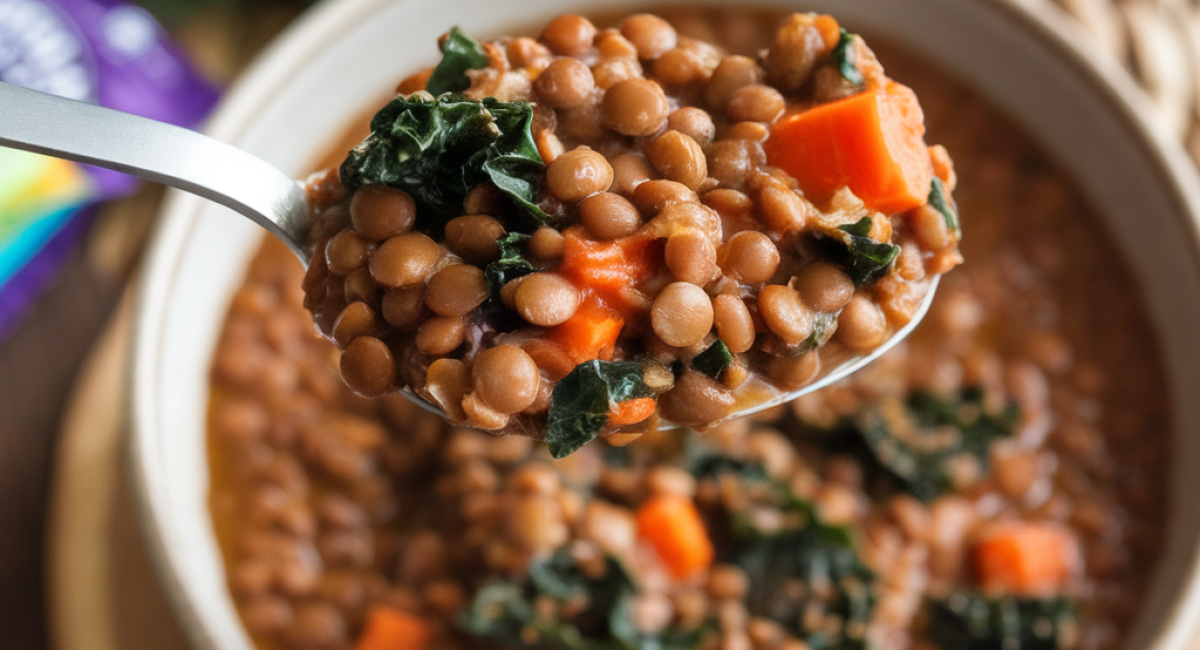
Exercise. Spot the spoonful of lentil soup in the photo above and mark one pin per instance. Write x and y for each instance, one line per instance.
(602, 231)
(597, 232)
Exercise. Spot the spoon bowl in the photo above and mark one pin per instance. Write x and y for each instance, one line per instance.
(217, 171)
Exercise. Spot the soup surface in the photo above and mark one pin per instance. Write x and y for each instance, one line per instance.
(994, 482)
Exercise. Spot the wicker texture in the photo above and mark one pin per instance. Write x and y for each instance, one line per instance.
(1158, 42)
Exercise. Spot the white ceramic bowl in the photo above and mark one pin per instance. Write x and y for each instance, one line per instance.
(291, 106)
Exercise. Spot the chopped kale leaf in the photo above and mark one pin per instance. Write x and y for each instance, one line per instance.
(714, 360)
(843, 58)
(504, 613)
(816, 561)
(914, 440)
(708, 464)
(800, 567)
(864, 259)
(939, 199)
(438, 150)
(967, 621)
(511, 265)
(459, 54)
(581, 401)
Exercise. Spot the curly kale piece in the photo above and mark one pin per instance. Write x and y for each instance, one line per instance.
(969, 621)
(459, 54)
(581, 401)
(503, 612)
(439, 149)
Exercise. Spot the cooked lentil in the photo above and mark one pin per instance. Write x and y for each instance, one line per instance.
(331, 509)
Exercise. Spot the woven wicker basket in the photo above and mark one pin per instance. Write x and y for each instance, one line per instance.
(1158, 42)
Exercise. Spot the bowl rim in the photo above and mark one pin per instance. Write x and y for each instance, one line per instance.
(328, 21)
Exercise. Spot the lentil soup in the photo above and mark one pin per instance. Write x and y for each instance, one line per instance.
(993, 482)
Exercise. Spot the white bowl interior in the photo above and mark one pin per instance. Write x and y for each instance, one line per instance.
(294, 103)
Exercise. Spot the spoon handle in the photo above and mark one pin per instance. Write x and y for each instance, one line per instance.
(159, 152)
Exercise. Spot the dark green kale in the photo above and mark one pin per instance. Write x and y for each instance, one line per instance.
(843, 58)
(714, 360)
(939, 199)
(504, 613)
(581, 401)
(511, 265)
(808, 567)
(863, 258)
(459, 54)
(803, 567)
(966, 621)
(914, 440)
(438, 150)
(709, 464)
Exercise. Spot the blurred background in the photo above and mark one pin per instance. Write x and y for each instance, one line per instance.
(70, 237)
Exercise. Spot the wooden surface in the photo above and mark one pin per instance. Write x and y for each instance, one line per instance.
(37, 367)
(103, 593)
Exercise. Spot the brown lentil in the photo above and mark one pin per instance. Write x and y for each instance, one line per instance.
(346, 253)
(682, 314)
(380, 212)
(629, 171)
(440, 335)
(609, 216)
(578, 174)
(735, 326)
(456, 290)
(546, 244)
(635, 107)
(404, 260)
(506, 378)
(368, 367)
(546, 299)
(861, 325)
(569, 35)
(785, 314)
(732, 73)
(651, 197)
(650, 34)
(691, 257)
(473, 237)
(565, 83)
(825, 287)
(693, 122)
(755, 103)
(678, 158)
(750, 257)
(356, 320)
(403, 307)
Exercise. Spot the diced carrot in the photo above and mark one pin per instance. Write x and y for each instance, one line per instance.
(872, 142)
(631, 411)
(608, 268)
(1026, 558)
(591, 333)
(388, 628)
(673, 527)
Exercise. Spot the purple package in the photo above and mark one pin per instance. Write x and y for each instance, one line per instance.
(102, 51)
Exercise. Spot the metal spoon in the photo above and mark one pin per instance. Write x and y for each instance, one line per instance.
(159, 152)
(220, 172)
